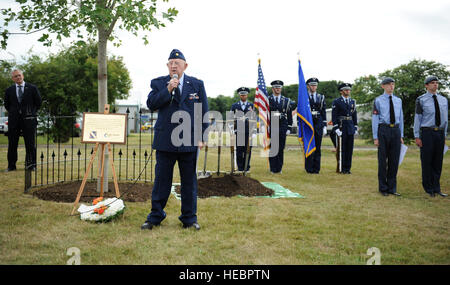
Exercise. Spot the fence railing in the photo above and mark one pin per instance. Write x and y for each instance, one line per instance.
(58, 162)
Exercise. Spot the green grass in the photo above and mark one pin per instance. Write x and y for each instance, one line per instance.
(340, 217)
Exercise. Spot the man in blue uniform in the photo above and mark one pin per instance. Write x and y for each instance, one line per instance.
(280, 107)
(171, 94)
(387, 130)
(430, 129)
(345, 124)
(319, 116)
(243, 145)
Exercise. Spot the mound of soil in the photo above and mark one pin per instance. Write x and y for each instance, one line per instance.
(230, 185)
(67, 192)
(226, 186)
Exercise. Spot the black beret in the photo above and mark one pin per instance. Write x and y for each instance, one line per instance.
(431, 78)
(277, 82)
(243, 90)
(175, 53)
(344, 86)
(387, 80)
(312, 81)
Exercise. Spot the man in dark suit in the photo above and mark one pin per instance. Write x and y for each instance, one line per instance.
(181, 103)
(240, 109)
(319, 116)
(22, 100)
(280, 107)
(345, 124)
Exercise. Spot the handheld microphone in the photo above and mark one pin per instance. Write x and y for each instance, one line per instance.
(176, 77)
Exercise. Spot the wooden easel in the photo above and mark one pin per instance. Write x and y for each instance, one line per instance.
(101, 171)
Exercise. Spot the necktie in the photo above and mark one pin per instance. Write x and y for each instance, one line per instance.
(391, 110)
(437, 112)
(20, 94)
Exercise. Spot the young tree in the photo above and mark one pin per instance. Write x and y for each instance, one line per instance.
(88, 20)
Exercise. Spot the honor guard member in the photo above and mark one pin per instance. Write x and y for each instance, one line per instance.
(239, 110)
(430, 129)
(171, 94)
(387, 130)
(319, 116)
(345, 124)
(281, 107)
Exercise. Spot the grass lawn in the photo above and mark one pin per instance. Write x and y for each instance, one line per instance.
(340, 218)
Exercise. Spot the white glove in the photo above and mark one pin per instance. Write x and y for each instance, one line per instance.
(356, 132)
(324, 131)
(338, 132)
(288, 132)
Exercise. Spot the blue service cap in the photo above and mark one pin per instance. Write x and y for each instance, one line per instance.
(387, 80)
(175, 53)
(344, 86)
(312, 81)
(431, 78)
(277, 84)
(243, 91)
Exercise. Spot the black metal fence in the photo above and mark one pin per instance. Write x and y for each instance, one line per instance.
(58, 162)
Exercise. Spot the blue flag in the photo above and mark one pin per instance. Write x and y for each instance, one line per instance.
(304, 117)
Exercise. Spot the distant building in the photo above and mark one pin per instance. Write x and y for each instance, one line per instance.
(133, 116)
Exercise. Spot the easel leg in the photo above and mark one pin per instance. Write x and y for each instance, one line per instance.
(85, 178)
(103, 168)
(116, 186)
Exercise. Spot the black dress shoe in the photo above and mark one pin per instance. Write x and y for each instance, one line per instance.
(442, 194)
(10, 169)
(196, 226)
(148, 226)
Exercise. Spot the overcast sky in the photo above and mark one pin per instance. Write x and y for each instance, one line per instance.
(336, 40)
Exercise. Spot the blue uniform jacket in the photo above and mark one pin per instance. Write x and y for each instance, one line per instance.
(237, 107)
(159, 99)
(285, 108)
(341, 109)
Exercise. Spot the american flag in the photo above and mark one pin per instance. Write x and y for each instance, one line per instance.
(262, 103)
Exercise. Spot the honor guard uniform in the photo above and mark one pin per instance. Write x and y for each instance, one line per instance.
(345, 124)
(319, 116)
(387, 130)
(281, 107)
(239, 110)
(430, 129)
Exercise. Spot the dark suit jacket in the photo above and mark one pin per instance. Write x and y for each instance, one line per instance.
(340, 108)
(159, 99)
(31, 102)
(319, 106)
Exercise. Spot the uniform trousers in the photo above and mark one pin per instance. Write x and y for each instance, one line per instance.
(388, 158)
(431, 157)
(165, 162)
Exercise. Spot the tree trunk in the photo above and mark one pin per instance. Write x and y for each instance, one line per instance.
(102, 97)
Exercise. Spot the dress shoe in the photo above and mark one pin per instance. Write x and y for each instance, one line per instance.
(148, 226)
(196, 226)
(10, 169)
(395, 194)
(442, 194)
